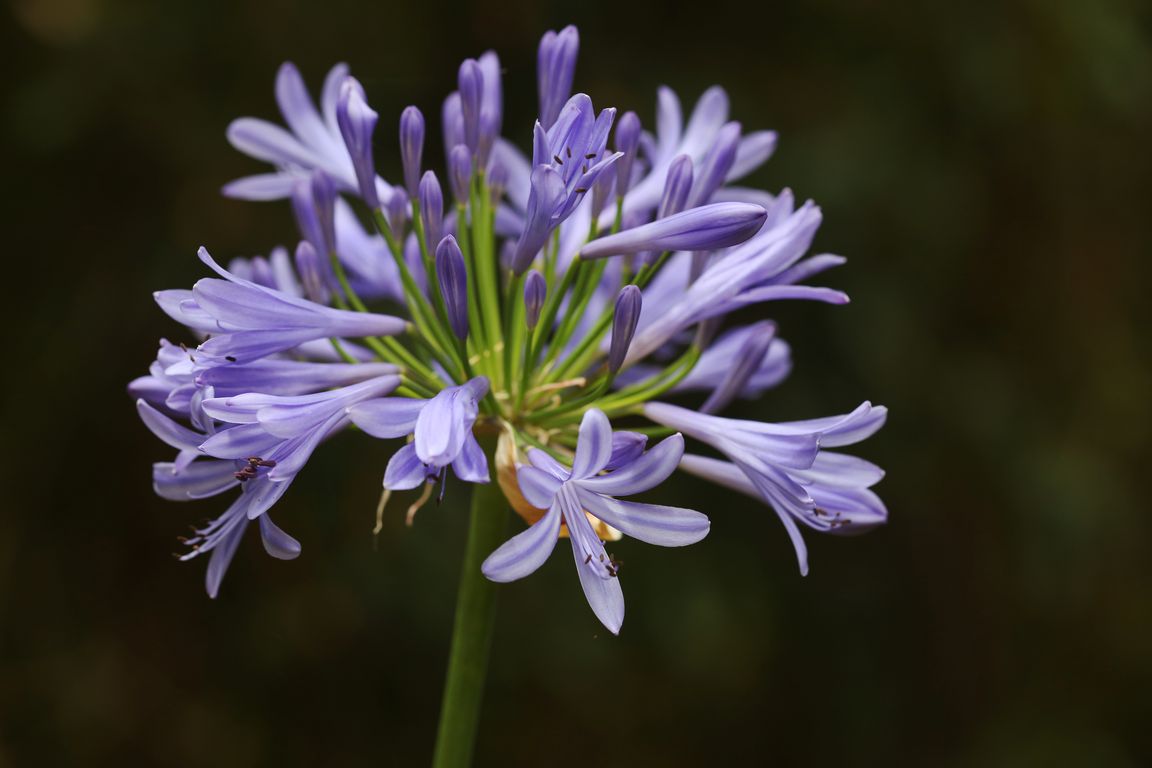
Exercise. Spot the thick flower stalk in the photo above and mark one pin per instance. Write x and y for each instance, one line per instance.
(494, 314)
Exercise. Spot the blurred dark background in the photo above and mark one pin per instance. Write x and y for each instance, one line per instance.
(984, 167)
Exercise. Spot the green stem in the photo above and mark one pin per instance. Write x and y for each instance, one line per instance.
(472, 634)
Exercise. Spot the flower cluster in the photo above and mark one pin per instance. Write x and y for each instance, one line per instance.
(500, 329)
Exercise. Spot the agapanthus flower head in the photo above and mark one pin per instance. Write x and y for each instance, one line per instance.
(571, 285)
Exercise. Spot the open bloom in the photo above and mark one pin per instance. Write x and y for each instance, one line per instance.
(254, 321)
(567, 492)
(787, 467)
(313, 140)
(441, 429)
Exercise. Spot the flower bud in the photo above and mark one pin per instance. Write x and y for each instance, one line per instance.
(452, 122)
(555, 68)
(357, 121)
(312, 273)
(411, 147)
(677, 185)
(453, 280)
(460, 172)
(471, 84)
(497, 182)
(314, 203)
(396, 211)
(704, 228)
(535, 291)
(747, 363)
(716, 164)
(624, 321)
(431, 208)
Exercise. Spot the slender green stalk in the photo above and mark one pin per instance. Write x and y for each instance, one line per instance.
(472, 633)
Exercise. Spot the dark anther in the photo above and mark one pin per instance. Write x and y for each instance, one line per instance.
(580, 190)
(590, 156)
(443, 480)
(588, 559)
(229, 358)
(568, 151)
(557, 159)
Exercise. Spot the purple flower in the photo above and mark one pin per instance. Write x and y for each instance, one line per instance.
(624, 320)
(452, 122)
(709, 226)
(695, 140)
(284, 430)
(273, 272)
(731, 350)
(314, 203)
(567, 160)
(431, 209)
(491, 107)
(471, 83)
(265, 441)
(714, 167)
(787, 466)
(442, 431)
(568, 493)
(357, 122)
(677, 186)
(747, 363)
(762, 269)
(555, 68)
(222, 536)
(313, 141)
(411, 147)
(453, 279)
(535, 291)
(313, 274)
(371, 268)
(460, 172)
(254, 321)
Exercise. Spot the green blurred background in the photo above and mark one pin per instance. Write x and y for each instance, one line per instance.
(986, 169)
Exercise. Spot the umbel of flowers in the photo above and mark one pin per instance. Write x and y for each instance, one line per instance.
(555, 322)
